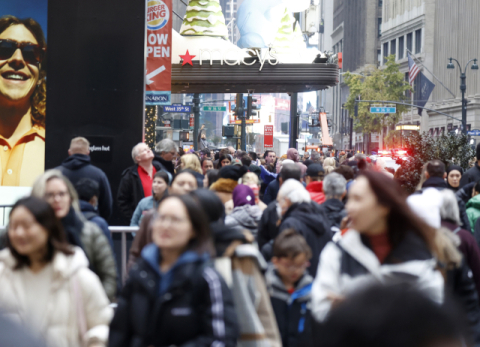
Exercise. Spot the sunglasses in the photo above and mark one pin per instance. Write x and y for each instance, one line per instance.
(32, 54)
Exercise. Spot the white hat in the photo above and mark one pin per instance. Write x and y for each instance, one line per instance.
(427, 206)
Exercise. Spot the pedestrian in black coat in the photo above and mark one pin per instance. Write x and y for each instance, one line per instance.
(473, 174)
(173, 296)
(78, 165)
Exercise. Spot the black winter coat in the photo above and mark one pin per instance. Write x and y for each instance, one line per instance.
(335, 211)
(130, 191)
(165, 165)
(472, 175)
(267, 227)
(196, 311)
(307, 220)
(79, 166)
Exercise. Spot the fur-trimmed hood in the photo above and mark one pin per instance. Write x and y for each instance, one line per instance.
(224, 185)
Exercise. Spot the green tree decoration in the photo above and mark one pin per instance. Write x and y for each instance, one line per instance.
(287, 39)
(204, 18)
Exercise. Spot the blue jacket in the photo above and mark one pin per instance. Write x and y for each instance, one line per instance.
(146, 204)
(78, 166)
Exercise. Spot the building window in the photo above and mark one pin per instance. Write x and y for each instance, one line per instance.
(418, 41)
(443, 130)
(431, 131)
(409, 42)
(379, 27)
(385, 52)
(380, 3)
(379, 56)
(401, 47)
(393, 47)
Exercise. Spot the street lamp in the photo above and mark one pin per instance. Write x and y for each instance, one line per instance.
(463, 87)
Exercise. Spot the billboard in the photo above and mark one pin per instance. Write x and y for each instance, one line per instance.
(159, 49)
(23, 91)
(268, 136)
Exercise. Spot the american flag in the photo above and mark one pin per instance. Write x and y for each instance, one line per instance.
(413, 70)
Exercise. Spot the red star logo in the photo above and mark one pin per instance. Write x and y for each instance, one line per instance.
(187, 58)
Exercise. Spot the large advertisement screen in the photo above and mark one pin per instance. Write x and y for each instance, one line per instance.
(23, 89)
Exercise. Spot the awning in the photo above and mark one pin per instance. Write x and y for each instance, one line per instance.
(281, 78)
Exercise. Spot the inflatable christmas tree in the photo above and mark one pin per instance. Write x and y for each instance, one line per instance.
(287, 40)
(204, 18)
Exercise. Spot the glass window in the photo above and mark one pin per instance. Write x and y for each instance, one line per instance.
(385, 52)
(379, 27)
(379, 56)
(401, 47)
(410, 42)
(380, 3)
(393, 47)
(418, 41)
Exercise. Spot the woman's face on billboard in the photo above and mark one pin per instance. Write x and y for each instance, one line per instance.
(17, 78)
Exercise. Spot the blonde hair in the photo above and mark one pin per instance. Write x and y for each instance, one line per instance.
(79, 145)
(191, 161)
(328, 169)
(40, 186)
(250, 178)
(329, 162)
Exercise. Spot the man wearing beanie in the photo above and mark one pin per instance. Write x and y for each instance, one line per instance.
(245, 215)
(473, 174)
(224, 186)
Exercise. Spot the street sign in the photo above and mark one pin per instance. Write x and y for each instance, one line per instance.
(215, 108)
(383, 110)
(474, 132)
(268, 136)
(177, 109)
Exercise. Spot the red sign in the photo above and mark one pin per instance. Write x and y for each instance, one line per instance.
(159, 49)
(282, 104)
(268, 136)
(192, 120)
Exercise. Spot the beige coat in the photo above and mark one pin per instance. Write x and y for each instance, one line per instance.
(61, 327)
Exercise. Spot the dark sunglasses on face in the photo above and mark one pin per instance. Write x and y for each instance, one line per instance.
(32, 54)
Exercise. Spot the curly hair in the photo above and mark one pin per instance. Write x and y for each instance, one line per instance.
(38, 100)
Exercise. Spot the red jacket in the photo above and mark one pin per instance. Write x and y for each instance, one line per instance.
(316, 192)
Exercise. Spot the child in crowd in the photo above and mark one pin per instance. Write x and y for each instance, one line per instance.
(289, 286)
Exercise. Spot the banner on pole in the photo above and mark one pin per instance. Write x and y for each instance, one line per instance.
(159, 49)
(268, 136)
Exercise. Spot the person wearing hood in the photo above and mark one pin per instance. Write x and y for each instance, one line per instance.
(46, 283)
(241, 265)
(245, 214)
(57, 190)
(472, 175)
(301, 214)
(387, 244)
(313, 179)
(165, 153)
(159, 191)
(335, 189)
(173, 296)
(290, 287)
(473, 206)
(454, 176)
(435, 176)
(292, 154)
(224, 186)
(78, 165)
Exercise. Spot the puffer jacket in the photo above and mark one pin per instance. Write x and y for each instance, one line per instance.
(350, 265)
(245, 217)
(61, 325)
(307, 220)
(473, 211)
(189, 306)
(292, 311)
(100, 255)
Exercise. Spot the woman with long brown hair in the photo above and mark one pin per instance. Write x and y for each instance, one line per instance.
(22, 100)
(387, 243)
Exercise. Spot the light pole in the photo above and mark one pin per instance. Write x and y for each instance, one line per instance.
(463, 87)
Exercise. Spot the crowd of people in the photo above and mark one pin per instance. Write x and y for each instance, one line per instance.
(244, 249)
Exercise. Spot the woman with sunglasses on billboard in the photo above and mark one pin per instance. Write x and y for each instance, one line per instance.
(22, 101)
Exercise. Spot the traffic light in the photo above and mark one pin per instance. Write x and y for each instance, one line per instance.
(239, 106)
(252, 106)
